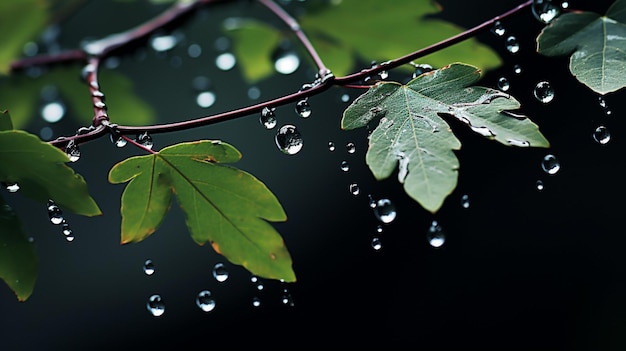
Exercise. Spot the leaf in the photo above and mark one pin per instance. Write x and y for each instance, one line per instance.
(40, 171)
(597, 45)
(18, 261)
(22, 94)
(223, 205)
(412, 134)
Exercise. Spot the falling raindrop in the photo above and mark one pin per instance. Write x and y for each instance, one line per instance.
(543, 92)
(225, 61)
(550, 164)
(66, 230)
(376, 244)
(219, 272)
(268, 118)
(256, 302)
(503, 84)
(379, 228)
(465, 202)
(602, 135)
(385, 211)
(155, 305)
(145, 140)
(344, 166)
(204, 301)
(72, 151)
(435, 235)
(512, 45)
(286, 298)
(148, 267)
(289, 140)
(498, 29)
(54, 213)
(303, 109)
(545, 10)
(12, 187)
(517, 69)
(53, 111)
(257, 282)
(604, 106)
(69, 238)
(331, 146)
(539, 185)
(206, 99)
(354, 189)
(350, 147)
(372, 202)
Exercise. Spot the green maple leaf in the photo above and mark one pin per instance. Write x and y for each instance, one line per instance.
(223, 205)
(413, 135)
(597, 45)
(18, 261)
(41, 173)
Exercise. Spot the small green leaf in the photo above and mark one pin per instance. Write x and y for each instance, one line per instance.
(18, 261)
(412, 135)
(40, 171)
(5, 120)
(223, 205)
(597, 45)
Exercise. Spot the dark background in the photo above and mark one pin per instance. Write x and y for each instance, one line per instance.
(520, 269)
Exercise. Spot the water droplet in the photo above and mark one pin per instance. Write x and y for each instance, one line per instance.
(350, 147)
(503, 84)
(344, 166)
(379, 229)
(204, 301)
(194, 50)
(345, 98)
(69, 238)
(99, 104)
(544, 92)
(12, 187)
(465, 202)
(255, 280)
(72, 151)
(155, 305)
(289, 140)
(118, 140)
(286, 62)
(435, 236)
(421, 69)
(303, 109)
(219, 272)
(517, 69)
(254, 93)
(550, 164)
(66, 230)
(564, 4)
(385, 211)
(163, 43)
(206, 99)
(498, 29)
(518, 143)
(383, 75)
(148, 267)
(376, 244)
(539, 185)
(354, 189)
(512, 45)
(372, 202)
(256, 302)
(53, 111)
(331, 146)
(225, 61)
(286, 298)
(145, 140)
(545, 10)
(602, 135)
(55, 213)
(268, 118)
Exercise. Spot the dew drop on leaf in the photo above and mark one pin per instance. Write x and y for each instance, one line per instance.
(543, 92)
(155, 305)
(512, 45)
(601, 135)
(72, 151)
(219, 272)
(204, 301)
(54, 213)
(268, 118)
(289, 140)
(148, 267)
(385, 210)
(550, 164)
(498, 29)
(303, 109)
(145, 140)
(435, 235)
(545, 10)
(503, 84)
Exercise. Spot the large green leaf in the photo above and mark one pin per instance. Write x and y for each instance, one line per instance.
(597, 45)
(223, 205)
(412, 134)
(18, 261)
(41, 173)
(23, 95)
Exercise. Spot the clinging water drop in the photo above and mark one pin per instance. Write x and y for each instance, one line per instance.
(288, 139)
(155, 305)
(385, 211)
